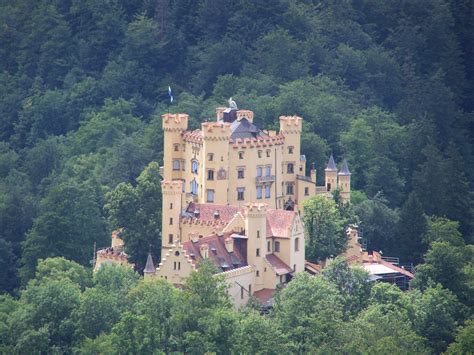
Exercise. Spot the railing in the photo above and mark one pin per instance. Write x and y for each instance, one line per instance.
(263, 179)
(304, 178)
(391, 259)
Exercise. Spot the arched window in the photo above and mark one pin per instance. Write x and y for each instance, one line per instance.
(194, 187)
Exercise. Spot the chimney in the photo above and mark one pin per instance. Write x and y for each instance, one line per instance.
(204, 250)
(229, 244)
(196, 213)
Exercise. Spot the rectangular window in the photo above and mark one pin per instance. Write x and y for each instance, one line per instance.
(259, 171)
(290, 168)
(277, 247)
(170, 238)
(210, 195)
(257, 252)
(210, 157)
(210, 175)
(171, 206)
(171, 221)
(240, 173)
(176, 164)
(289, 189)
(290, 150)
(269, 247)
(306, 191)
(297, 244)
(268, 153)
(258, 273)
(259, 192)
(176, 147)
(267, 191)
(258, 234)
(241, 155)
(259, 153)
(268, 170)
(240, 193)
(241, 293)
(175, 265)
(179, 265)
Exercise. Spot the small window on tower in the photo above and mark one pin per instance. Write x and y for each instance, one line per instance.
(176, 164)
(240, 173)
(306, 191)
(277, 247)
(268, 153)
(290, 168)
(259, 153)
(176, 147)
(257, 252)
(210, 157)
(269, 247)
(170, 238)
(290, 150)
(241, 155)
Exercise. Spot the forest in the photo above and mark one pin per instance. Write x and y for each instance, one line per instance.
(389, 85)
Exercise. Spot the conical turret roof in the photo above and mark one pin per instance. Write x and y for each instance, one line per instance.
(149, 267)
(344, 169)
(331, 164)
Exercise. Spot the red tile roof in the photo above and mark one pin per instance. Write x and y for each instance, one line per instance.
(265, 295)
(312, 268)
(278, 265)
(218, 253)
(279, 222)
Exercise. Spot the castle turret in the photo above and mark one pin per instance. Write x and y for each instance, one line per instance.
(150, 270)
(215, 163)
(172, 204)
(344, 182)
(256, 230)
(173, 159)
(331, 175)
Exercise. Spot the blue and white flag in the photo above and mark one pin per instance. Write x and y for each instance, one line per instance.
(170, 93)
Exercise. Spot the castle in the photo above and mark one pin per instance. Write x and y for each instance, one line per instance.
(231, 194)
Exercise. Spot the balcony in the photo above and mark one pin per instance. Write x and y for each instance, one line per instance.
(264, 179)
(304, 178)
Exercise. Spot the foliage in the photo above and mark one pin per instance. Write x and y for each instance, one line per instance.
(324, 229)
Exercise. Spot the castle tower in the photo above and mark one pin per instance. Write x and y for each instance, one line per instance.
(331, 175)
(150, 270)
(256, 230)
(215, 162)
(172, 205)
(173, 158)
(344, 182)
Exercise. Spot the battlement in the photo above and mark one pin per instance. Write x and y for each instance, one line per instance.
(215, 130)
(175, 122)
(247, 114)
(256, 209)
(291, 124)
(172, 186)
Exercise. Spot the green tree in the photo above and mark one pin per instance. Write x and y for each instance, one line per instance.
(309, 312)
(137, 212)
(352, 283)
(117, 280)
(464, 342)
(410, 230)
(324, 228)
(69, 221)
(437, 311)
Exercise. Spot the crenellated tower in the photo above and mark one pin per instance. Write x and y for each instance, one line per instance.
(215, 162)
(256, 230)
(172, 205)
(173, 159)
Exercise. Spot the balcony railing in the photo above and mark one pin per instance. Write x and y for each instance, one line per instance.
(264, 179)
(304, 178)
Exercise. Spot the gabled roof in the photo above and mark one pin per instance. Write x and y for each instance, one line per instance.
(331, 166)
(149, 267)
(245, 129)
(344, 169)
(278, 265)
